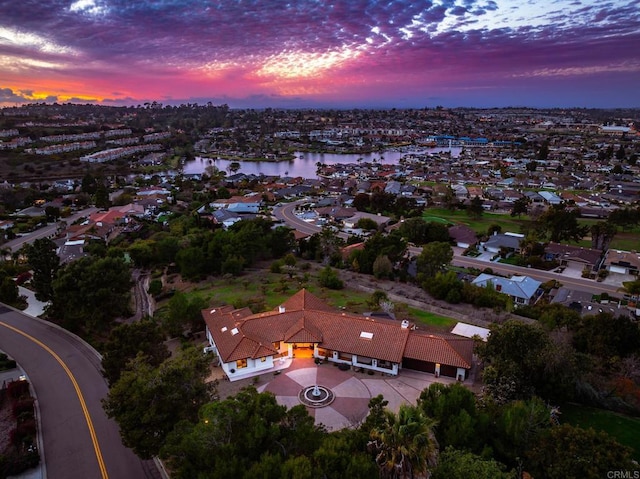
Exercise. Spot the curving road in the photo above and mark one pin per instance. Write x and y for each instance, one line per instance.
(79, 440)
(286, 214)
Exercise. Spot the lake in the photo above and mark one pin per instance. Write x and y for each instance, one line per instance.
(304, 164)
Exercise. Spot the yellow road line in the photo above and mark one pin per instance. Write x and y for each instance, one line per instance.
(85, 411)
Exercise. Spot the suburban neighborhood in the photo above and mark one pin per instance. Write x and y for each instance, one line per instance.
(493, 250)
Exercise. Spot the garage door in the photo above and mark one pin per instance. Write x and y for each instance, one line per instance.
(417, 365)
(618, 269)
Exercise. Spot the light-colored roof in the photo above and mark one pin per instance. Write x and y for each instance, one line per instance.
(516, 286)
(470, 330)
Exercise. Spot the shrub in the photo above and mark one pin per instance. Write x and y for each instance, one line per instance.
(329, 279)
(24, 433)
(22, 406)
(155, 287)
(17, 389)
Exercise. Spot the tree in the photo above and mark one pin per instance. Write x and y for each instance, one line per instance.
(102, 196)
(518, 426)
(330, 244)
(457, 464)
(234, 166)
(515, 352)
(607, 336)
(570, 452)
(459, 423)
(362, 201)
(602, 233)
(52, 213)
(405, 445)
(520, 207)
(435, 257)
(183, 313)
(147, 402)
(560, 223)
(241, 435)
(126, 341)
(475, 209)
(9, 292)
(330, 279)
(366, 224)
(543, 151)
(83, 289)
(626, 217)
(382, 267)
(45, 263)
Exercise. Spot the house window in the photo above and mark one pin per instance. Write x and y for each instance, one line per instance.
(276, 345)
(345, 356)
(263, 359)
(241, 363)
(385, 364)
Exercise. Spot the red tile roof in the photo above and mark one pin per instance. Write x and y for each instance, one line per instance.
(305, 318)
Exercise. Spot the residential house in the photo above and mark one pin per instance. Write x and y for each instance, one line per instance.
(463, 236)
(521, 289)
(239, 204)
(380, 220)
(623, 262)
(500, 242)
(248, 344)
(550, 197)
(576, 256)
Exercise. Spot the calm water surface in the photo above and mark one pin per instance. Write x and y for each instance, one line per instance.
(304, 164)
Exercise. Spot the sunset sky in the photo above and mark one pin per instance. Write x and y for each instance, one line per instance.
(322, 53)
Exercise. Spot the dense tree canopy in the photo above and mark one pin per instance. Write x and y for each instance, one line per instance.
(568, 452)
(44, 262)
(435, 257)
(241, 435)
(458, 464)
(148, 401)
(404, 444)
(418, 231)
(126, 341)
(90, 293)
(560, 223)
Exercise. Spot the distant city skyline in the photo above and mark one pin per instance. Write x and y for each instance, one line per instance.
(317, 54)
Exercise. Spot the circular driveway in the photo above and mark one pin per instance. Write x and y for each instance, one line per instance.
(352, 390)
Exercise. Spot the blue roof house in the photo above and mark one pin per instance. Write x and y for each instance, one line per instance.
(522, 289)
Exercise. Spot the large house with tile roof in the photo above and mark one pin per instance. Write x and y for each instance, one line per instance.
(248, 343)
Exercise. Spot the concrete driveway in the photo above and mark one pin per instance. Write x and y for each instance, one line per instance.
(352, 390)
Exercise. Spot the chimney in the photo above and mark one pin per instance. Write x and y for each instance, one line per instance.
(281, 309)
(404, 324)
(498, 287)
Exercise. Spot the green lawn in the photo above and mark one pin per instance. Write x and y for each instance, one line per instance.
(265, 288)
(430, 319)
(625, 429)
(480, 225)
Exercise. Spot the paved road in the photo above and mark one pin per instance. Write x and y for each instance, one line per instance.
(286, 214)
(16, 243)
(78, 438)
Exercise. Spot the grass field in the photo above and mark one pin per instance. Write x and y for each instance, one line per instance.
(625, 429)
(624, 240)
(480, 225)
(264, 290)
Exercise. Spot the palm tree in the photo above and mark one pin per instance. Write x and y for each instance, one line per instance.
(405, 444)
